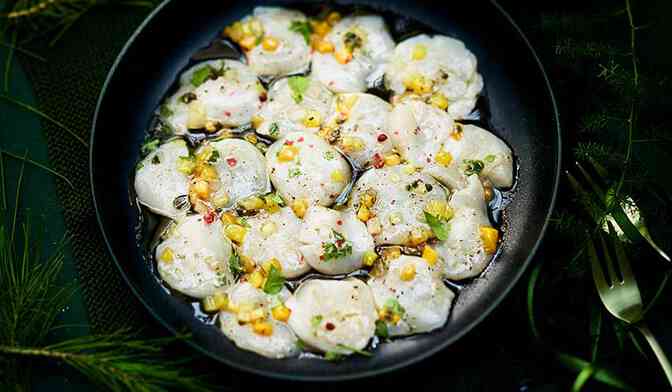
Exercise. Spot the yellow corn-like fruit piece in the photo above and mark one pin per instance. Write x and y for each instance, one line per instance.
(419, 52)
(313, 119)
(271, 263)
(333, 18)
(337, 176)
(323, 46)
(418, 84)
(392, 253)
(257, 314)
(256, 121)
(236, 233)
(430, 255)
(269, 228)
(320, 28)
(197, 115)
(489, 237)
(252, 203)
(395, 218)
(270, 44)
(208, 304)
(367, 199)
(208, 172)
(352, 143)
(363, 214)
(221, 300)
(281, 313)
(457, 132)
(221, 201)
(395, 318)
(369, 257)
(392, 160)
(439, 100)
(418, 236)
(444, 158)
(235, 31)
(248, 264)
(262, 328)
(299, 207)
(201, 189)
(288, 153)
(229, 219)
(407, 272)
(439, 209)
(248, 42)
(256, 279)
(167, 255)
(345, 103)
(343, 56)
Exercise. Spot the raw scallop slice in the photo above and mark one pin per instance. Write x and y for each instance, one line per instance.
(216, 93)
(281, 343)
(423, 302)
(400, 197)
(274, 235)
(333, 242)
(158, 182)
(302, 166)
(336, 316)
(371, 45)
(194, 258)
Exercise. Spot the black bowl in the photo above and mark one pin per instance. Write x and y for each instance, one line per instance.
(522, 111)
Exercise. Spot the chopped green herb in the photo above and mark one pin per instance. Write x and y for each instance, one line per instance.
(333, 356)
(381, 329)
(156, 160)
(354, 350)
(352, 41)
(274, 282)
(188, 97)
(165, 111)
(214, 156)
(300, 345)
(419, 186)
(316, 320)
(139, 166)
(298, 85)
(329, 155)
(337, 249)
(395, 307)
(201, 75)
(243, 222)
(294, 172)
(274, 198)
(473, 167)
(302, 27)
(274, 130)
(234, 265)
(439, 227)
(186, 165)
(489, 158)
(149, 146)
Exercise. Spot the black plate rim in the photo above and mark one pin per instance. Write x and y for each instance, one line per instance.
(361, 374)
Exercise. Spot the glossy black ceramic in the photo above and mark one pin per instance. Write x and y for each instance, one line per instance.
(522, 112)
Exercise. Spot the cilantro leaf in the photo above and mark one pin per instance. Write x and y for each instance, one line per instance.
(333, 356)
(395, 307)
(473, 166)
(201, 75)
(294, 172)
(298, 85)
(316, 320)
(337, 249)
(489, 158)
(274, 282)
(214, 156)
(381, 329)
(149, 146)
(274, 130)
(165, 111)
(438, 226)
(302, 27)
(234, 265)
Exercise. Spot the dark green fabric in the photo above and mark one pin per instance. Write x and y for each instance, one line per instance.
(67, 87)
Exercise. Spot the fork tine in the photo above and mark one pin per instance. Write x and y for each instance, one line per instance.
(596, 188)
(623, 262)
(609, 261)
(598, 275)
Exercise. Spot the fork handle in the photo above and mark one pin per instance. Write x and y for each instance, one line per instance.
(660, 354)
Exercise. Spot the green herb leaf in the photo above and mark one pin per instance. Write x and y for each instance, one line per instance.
(302, 27)
(438, 226)
(234, 265)
(395, 307)
(381, 329)
(355, 350)
(352, 41)
(337, 249)
(243, 222)
(165, 111)
(300, 345)
(298, 85)
(473, 166)
(214, 156)
(274, 282)
(489, 158)
(316, 320)
(294, 172)
(156, 160)
(201, 75)
(274, 198)
(329, 155)
(274, 130)
(149, 146)
(333, 356)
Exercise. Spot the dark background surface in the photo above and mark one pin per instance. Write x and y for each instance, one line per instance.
(499, 354)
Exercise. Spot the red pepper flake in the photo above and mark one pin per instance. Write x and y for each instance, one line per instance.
(231, 162)
(227, 114)
(311, 145)
(378, 161)
(300, 139)
(339, 222)
(263, 97)
(289, 142)
(429, 160)
(382, 137)
(396, 132)
(209, 217)
(329, 326)
(322, 257)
